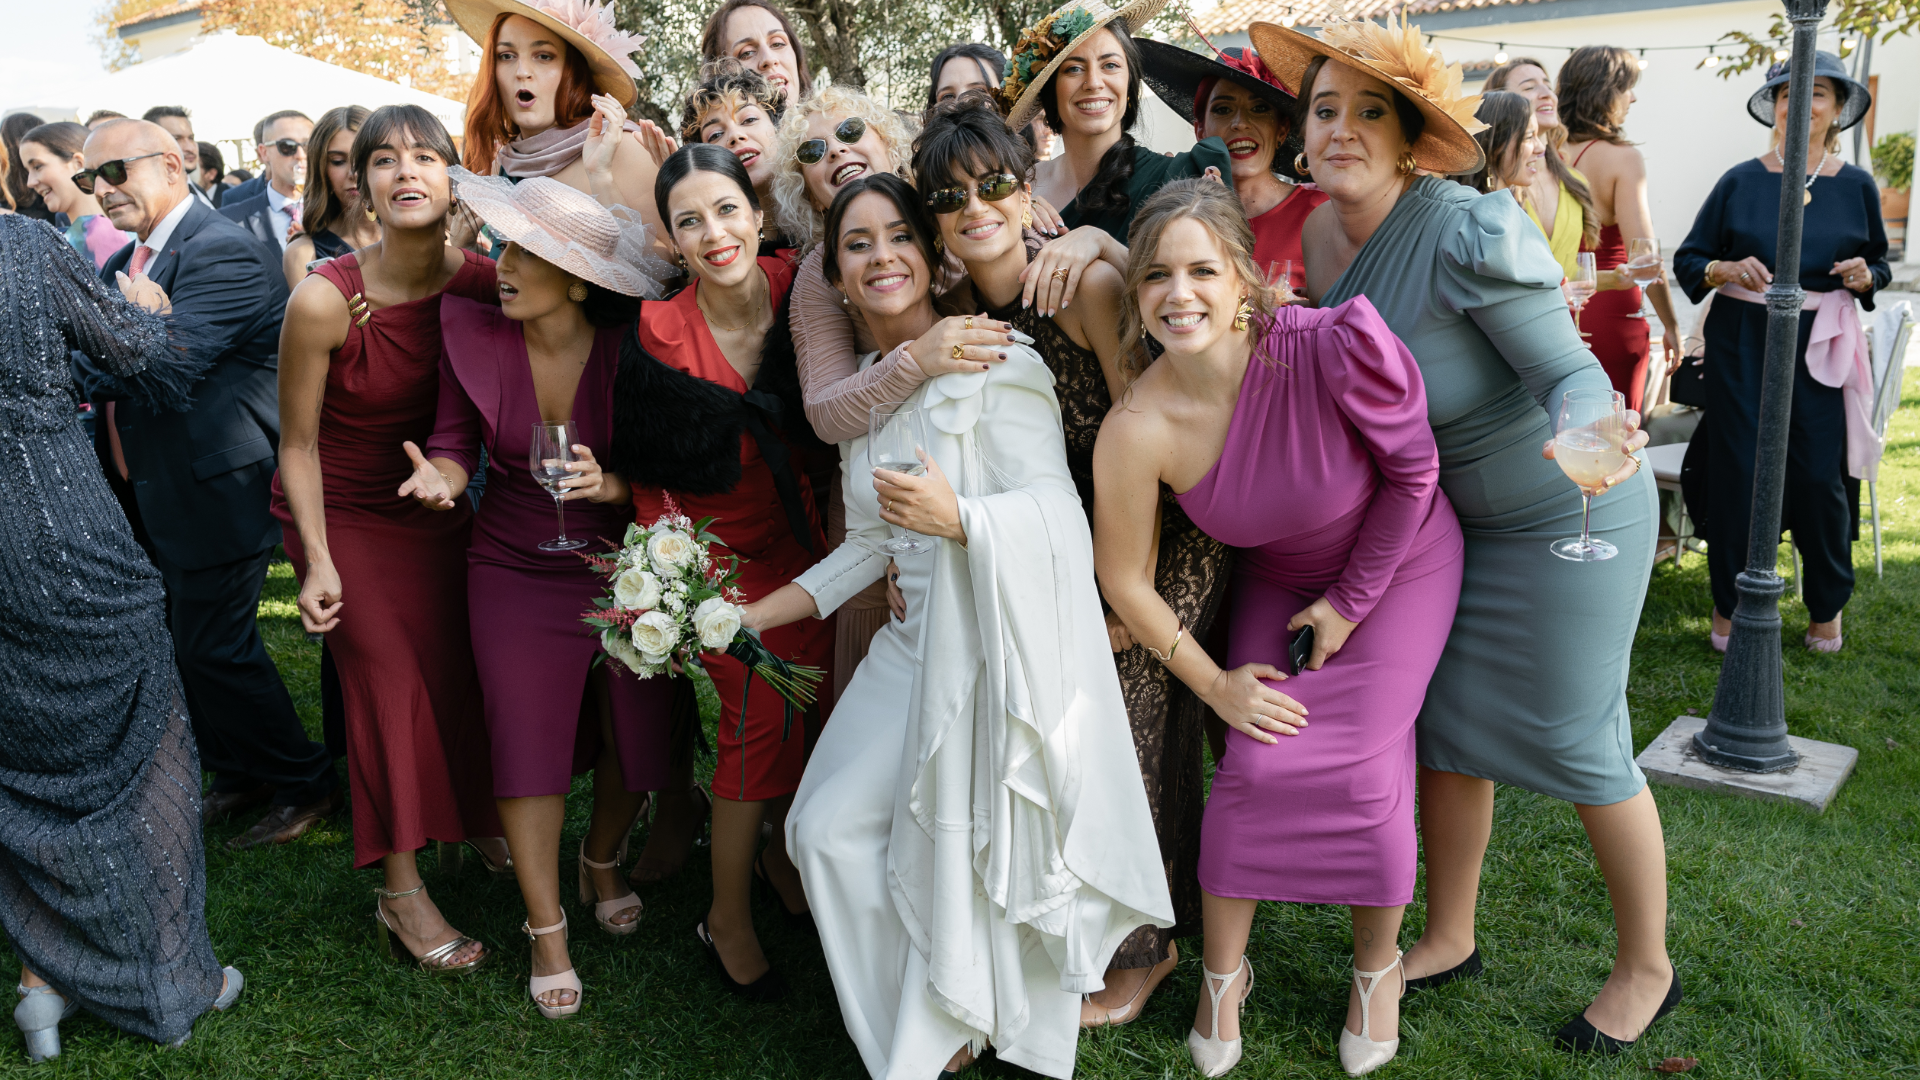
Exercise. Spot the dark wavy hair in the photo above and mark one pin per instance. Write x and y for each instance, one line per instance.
(1413, 122)
(913, 210)
(1106, 193)
(700, 157)
(1556, 162)
(966, 134)
(1505, 113)
(322, 206)
(993, 63)
(713, 46)
(11, 129)
(399, 126)
(1591, 80)
(730, 84)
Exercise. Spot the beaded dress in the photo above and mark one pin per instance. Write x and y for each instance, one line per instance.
(102, 879)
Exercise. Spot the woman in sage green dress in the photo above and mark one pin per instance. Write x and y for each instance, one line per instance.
(1531, 690)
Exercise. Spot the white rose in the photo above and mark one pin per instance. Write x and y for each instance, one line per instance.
(636, 588)
(621, 648)
(655, 634)
(671, 549)
(716, 621)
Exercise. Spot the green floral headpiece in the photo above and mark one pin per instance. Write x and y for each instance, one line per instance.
(1037, 46)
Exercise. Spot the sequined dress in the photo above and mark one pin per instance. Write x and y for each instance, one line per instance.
(102, 879)
(1191, 576)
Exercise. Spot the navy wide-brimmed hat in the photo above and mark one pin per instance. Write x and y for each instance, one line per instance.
(1177, 76)
(1825, 66)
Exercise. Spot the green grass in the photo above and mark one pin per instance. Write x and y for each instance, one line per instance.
(1796, 934)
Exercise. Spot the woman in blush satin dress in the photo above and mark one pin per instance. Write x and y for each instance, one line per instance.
(1299, 437)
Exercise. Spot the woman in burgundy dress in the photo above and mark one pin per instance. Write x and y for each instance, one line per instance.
(382, 577)
(707, 410)
(568, 274)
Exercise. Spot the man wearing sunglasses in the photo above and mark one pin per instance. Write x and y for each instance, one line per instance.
(201, 478)
(272, 210)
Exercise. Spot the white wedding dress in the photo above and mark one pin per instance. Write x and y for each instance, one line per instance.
(972, 829)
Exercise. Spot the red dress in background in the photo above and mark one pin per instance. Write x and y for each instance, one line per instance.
(1619, 337)
(417, 756)
(1276, 234)
(760, 755)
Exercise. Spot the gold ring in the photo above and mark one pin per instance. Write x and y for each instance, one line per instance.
(959, 351)
(1060, 274)
(969, 322)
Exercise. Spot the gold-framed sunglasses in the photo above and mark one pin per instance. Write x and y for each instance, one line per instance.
(949, 200)
(113, 172)
(849, 132)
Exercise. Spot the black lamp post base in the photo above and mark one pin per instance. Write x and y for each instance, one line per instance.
(1726, 757)
(1747, 728)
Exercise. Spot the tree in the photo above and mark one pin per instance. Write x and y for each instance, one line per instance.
(115, 52)
(389, 39)
(1857, 19)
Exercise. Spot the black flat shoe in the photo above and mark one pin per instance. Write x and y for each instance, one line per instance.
(767, 988)
(798, 921)
(1580, 1036)
(1465, 969)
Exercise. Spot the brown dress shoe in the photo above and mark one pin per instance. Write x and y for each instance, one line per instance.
(217, 806)
(284, 824)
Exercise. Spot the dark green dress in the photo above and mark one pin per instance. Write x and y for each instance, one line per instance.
(1151, 172)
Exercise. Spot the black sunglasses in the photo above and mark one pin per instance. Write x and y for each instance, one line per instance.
(113, 172)
(849, 132)
(287, 147)
(948, 200)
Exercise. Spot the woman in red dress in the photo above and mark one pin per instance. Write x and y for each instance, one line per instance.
(707, 411)
(359, 374)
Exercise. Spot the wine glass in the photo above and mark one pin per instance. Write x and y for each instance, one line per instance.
(547, 458)
(896, 433)
(1643, 266)
(1280, 280)
(1580, 285)
(1588, 446)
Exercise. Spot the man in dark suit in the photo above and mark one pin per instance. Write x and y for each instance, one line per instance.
(201, 479)
(271, 213)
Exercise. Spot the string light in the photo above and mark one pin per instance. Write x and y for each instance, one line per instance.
(1643, 59)
(1712, 60)
(1501, 56)
(1781, 54)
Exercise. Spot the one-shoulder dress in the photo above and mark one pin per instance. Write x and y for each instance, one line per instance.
(417, 755)
(1328, 486)
(1532, 688)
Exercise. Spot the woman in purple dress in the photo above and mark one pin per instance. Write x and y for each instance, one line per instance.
(1301, 438)
(548, 354)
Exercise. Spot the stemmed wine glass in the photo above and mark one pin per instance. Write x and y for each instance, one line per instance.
(1589, 436)
(1280, 280)
(551, 450)
(896, 432)
(1580, 285)
(1643, 266)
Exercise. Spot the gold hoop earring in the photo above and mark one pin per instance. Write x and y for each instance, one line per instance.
(577, 292)
(1405, 164)
(1245, 315)
(1300, 163)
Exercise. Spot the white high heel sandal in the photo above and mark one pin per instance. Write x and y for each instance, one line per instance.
(1359, 1054)
(1212, 1055)
(605, 910)
(566, 980)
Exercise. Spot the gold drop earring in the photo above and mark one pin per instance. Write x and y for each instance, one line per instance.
(1244, 315)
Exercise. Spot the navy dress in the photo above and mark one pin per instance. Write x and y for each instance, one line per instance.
(1740, 219)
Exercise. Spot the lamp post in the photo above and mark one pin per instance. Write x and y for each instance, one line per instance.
(1747, 729)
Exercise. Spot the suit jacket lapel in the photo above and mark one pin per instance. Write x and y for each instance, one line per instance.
(165, 264)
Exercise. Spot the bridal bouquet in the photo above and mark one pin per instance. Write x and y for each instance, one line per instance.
(669, 598)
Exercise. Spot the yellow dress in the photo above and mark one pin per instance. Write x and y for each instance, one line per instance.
(1567, 227)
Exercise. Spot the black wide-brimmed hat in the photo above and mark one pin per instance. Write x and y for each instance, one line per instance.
(1825, 66)
(1176, 76)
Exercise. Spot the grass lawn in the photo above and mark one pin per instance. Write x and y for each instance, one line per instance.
(1795, 934)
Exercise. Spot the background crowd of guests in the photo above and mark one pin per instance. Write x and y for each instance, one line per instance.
(1175, 409)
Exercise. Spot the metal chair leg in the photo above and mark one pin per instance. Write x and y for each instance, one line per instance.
(1799, 590)
(1873, 501)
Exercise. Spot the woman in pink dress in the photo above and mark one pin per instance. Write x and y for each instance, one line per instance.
(1300, 437)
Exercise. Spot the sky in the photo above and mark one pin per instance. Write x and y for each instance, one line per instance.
(47, 43)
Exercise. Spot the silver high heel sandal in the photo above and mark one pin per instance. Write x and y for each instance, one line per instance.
(435, 960)
(566, 980)
(1212, 1055)
(1359, 1054)
(605, 910)
(38, 1015)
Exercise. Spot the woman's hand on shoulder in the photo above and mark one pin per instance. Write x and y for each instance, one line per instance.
(1054, 274)
(1253, 708)
(1330, 630)
(1046, 220)
(961, 343)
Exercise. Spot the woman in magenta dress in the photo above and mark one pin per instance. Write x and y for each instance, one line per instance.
(382, 577)
(1300, 437)
(569, 276)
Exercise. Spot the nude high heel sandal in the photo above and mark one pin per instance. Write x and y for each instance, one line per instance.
(1212, 1055)
(605, 910)
(566, 980)
(1359, 1054)
(38, 1016)
(436, 960)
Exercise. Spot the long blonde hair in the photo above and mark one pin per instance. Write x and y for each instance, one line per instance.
(802, 223)
(1218, 210)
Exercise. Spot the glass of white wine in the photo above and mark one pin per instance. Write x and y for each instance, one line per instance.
(1643, 266)
(548, 455)
(1588, 444)
(1580, 285)
(896, 434)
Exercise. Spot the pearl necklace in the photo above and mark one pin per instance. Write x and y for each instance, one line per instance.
(1806, 194)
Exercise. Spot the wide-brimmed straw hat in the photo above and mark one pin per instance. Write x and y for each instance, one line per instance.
(1825, 66)
(1046, 44)
(1177, 77)
(567, 228)
(1396, 55)
(585, 25)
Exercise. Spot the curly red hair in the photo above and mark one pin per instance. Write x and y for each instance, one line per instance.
(487, 128)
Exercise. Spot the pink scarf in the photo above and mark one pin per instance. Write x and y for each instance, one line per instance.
(1838, 355)
(546, 153)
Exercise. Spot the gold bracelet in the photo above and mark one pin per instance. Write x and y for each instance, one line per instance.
(1706, 275)
(1167, 657)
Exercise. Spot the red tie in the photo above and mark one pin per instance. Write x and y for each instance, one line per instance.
(141, 256)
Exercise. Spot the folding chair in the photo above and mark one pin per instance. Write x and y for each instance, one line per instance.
(1891, 331)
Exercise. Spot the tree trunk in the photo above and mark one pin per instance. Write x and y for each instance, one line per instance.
(836, 39)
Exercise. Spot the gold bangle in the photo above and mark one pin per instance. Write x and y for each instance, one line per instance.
(1167, 657)
(1706, 276)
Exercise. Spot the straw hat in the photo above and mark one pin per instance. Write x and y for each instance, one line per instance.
(1395, 55)
(583, 24)
(1043, 46)
(567, 228)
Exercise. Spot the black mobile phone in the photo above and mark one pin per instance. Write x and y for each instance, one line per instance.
(1300, 649)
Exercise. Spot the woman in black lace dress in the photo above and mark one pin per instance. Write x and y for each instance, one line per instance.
(102, 884)
(971, 169)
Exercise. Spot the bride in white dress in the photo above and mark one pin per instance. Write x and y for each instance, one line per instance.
(972, 830)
